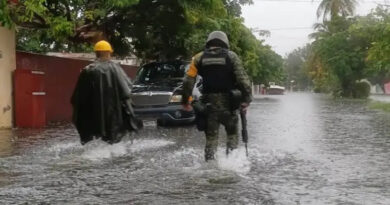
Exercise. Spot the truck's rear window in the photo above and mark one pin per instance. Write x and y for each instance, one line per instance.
(153, 73)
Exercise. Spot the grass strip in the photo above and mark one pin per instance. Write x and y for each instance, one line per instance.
(385, 106)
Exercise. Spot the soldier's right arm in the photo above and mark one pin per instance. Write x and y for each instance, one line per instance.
(190, 79)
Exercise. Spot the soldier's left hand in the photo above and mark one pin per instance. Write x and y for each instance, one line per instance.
(187, 107)
(244, 106)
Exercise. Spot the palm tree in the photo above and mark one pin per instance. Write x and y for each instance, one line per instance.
(321, 30)
(334, 8)
(329, 27)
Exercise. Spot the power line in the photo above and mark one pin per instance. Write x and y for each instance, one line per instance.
(290, 28)
(278, 29)
(288, 1)
(317, 1)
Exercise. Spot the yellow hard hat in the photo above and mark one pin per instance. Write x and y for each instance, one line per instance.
(103, 46)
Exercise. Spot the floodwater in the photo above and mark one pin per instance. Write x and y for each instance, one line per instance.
(304, 149)
(380, 98)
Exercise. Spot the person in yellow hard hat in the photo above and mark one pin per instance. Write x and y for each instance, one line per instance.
(101, 99)
(103, 46)
(103, 50)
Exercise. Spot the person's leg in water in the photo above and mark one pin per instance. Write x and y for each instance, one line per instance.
(85, 138)
(211, 136)
(230, 121)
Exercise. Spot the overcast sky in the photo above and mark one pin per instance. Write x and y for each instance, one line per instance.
(289, 21)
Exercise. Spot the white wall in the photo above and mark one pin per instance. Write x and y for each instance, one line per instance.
(7, 65)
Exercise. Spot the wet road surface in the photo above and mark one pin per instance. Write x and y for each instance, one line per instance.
(304, 149)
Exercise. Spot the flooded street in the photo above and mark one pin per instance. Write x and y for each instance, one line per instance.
(303, 149)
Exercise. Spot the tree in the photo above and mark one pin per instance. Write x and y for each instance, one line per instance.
(152, 30)
(335, 8)
(234, 6)
(345, 51)
(324, 81)
(68, 25)
(376, 27)
(161, 32)
(5, 14)
(296, 69)
(329, 27)
(341, 53)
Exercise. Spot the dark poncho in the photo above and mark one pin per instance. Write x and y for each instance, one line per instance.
(101, 103)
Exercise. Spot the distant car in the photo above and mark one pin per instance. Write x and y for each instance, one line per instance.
(156, 93)
(275, 89)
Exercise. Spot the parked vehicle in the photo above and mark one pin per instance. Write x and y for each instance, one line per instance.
(274, 89)
(156, 93)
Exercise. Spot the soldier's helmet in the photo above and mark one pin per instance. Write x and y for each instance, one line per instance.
(217, 38)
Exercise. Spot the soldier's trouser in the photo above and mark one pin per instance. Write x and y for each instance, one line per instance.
(214, 119)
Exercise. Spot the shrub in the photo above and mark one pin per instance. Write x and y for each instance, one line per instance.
(361, 89)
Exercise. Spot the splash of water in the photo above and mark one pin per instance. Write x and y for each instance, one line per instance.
(187, 158)
(236, 161)
(98, 150)
(64, 147)
(140, 145)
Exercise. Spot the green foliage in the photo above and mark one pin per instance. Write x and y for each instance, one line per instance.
(31, 9)
(346, 50)
(41, 42)
(60, 28)
(272, 67)
(152, 30)
(36, 41)
(234, 6)
(324, 81)
(344, 58)
(262, 64)
(376, 28)
(341, 52)
(296, 69)
(336, 8)
(158, 33)
(5, 17)
(65, 26)
(361, 90)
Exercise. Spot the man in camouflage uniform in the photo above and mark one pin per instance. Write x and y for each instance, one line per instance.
(221, 71)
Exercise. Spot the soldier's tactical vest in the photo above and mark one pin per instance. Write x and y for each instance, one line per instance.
(217, 72)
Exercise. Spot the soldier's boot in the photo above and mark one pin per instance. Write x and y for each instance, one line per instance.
(211, 147)
(209, 156)
(231, 127)
(232, 143)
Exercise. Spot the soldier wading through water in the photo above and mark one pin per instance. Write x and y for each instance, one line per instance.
(223, 74)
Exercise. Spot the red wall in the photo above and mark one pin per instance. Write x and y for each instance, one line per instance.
(61, 75)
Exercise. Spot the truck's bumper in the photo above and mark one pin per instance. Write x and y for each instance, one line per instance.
(172, 114)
